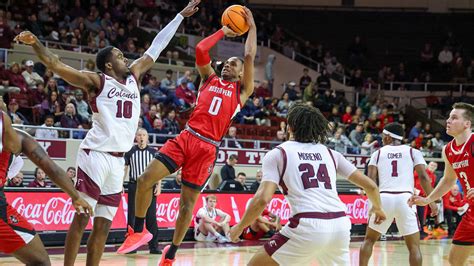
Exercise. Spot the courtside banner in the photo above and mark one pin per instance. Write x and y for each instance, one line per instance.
(53, 211)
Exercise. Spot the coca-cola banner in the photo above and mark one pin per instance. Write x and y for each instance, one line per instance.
(52, 211)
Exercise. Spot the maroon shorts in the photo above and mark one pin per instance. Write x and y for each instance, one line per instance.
(15, 230)
(464, 234)
(249, 234)
(196, 157)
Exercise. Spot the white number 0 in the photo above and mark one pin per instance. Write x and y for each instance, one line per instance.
(215, 105)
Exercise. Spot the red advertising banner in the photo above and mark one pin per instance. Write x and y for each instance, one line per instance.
(52, 211)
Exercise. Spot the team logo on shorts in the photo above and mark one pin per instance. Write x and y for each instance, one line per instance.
(13, 219)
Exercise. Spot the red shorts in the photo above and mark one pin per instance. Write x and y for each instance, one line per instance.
(464, 234)
(195, 156)
(249, 234)
(15, 230)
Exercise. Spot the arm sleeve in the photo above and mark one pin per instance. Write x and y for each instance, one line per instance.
(418, 157)
(373, 158)
(203, 47)
(224, 173)
(343, 166)
(272, 166)
(163, 38)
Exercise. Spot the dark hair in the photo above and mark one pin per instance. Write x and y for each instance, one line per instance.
(169, 71)
(36, 171)
(102, 57)
(395, 128)
(242, 173)
(308, 124)
(49, 116)
(233, 157)
(468, 110)
(71, 168)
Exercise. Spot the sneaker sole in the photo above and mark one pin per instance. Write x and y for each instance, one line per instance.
(135, 246)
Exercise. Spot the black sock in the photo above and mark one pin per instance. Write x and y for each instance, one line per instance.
(139, 222)
(171, 252)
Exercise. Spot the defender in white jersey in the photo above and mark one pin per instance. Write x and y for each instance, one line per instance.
(393, 165)
(115, 101)
(305, 172)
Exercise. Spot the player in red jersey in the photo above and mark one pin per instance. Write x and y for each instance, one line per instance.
(17, 235)
(266, 222)
(195, 148)
(459, 163)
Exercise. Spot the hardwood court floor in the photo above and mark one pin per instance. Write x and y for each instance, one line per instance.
(385, 253)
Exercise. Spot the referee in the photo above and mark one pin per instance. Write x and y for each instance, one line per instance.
(136, 161)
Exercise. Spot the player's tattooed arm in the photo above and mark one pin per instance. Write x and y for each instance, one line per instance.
(86, 80)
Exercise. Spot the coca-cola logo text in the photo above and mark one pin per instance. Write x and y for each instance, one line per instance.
(56, 211)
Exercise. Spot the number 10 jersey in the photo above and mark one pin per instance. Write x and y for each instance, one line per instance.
(217, 103)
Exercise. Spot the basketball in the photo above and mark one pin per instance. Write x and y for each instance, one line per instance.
(234, 18)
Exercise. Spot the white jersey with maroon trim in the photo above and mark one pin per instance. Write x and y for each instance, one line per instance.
(116, 110)
(306, 174)
(395, 165)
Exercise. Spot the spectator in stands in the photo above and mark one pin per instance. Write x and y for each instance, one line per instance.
(426, 58)
(150, 116)
(293, 95)
(432, 101)
(6, 33)
(16, 181)
(258, 180)
(32, 78)
(323, 81)
(16, 79)
(427, 148)
(415, 131)
(82, 107)
(71, 173)
(459, 71)
(231, 140)
(34, 25)
(470, 71)
(357, 52)
(40, 179)
(335, 116)
(305, 80)
(145, 104)
(185, 95)
(43, 133)
(174, 184)
(153, 88)
(347, 116)
(210, 223)
(158, 128)
(170, 124)
(426, 131)
(70, 119)
(90, 65)
(357, 135)
(454, 207)
(438, 143)
(445, 58)
(167, 83)
(50, 106)
(357, 81)
(241, 178)
(228, 171)
(283, 105)
(15, 115)
(263, 92)
(269, 71)
(368, 146)
(340, 141)
(280, 137)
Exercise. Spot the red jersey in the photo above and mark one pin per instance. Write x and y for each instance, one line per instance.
(451, 202)
(4, 155)
(217, 103)
(462, 160)
(417, 181)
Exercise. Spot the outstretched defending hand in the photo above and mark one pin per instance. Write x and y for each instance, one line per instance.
(228, 32)
(417, 200)
(190, 9)
(25, 37)
(81, 205)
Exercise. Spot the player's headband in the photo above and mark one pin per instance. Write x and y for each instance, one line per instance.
(393, 135)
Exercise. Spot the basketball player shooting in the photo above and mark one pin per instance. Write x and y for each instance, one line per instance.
(115, 101)
(459, 163)
(195, 148)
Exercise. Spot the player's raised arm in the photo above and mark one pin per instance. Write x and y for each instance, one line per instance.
(161, 40)
(86, 80)
(249, 57)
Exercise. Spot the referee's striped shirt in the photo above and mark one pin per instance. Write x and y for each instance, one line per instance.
(138, 159)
